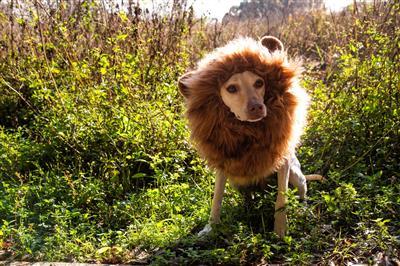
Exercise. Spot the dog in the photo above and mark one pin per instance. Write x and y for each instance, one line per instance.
(246, 112)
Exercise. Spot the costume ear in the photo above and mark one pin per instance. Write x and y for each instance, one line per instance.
(271, 43)
(184, 84)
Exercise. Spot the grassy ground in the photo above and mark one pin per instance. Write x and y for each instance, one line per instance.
(95, 164)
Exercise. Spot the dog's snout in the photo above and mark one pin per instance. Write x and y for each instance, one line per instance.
(256, 110)
(256, 107)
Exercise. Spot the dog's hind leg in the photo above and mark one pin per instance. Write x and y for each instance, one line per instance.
(215, 216)
(281, 199)
(297, 178)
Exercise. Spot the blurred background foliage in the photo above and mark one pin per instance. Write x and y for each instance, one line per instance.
(95, 164)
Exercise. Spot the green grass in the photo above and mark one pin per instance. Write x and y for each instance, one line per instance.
(96, 165)
(57, 218)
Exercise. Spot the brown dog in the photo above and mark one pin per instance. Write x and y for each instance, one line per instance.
(246, 113)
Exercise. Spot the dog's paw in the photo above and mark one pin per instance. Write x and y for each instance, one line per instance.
(206, 231)
(280, 224)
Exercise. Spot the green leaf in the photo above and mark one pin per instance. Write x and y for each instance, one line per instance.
(103, 250)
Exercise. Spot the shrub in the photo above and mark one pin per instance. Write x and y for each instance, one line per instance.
(95, 164)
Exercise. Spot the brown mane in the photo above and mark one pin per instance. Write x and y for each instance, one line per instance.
(245, 151)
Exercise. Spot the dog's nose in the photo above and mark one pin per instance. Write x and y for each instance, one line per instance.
(255, 107)
(256, 110)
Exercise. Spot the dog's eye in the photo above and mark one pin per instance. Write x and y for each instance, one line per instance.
(259, 83)
(231, 89)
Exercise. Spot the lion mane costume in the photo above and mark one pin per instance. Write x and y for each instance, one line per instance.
(246, 152)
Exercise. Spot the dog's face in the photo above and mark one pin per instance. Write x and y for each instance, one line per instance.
(244, 93)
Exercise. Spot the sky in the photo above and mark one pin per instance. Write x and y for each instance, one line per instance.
(218, 8)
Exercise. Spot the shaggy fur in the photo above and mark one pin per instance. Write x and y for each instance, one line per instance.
(246, 152)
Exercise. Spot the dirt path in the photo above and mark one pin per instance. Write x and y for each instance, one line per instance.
(24, 263)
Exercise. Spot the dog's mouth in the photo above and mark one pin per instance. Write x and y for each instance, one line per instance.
(252, 119)
(255, 120)
(257, 115)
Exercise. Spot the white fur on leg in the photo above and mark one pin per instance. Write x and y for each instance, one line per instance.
(296, 177)
(280, 213)
(215, 216)
(206, 230)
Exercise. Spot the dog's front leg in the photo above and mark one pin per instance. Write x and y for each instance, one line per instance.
(215, 216)
(280, 212)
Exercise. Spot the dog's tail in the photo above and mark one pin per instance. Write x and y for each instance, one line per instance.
(314, 177)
